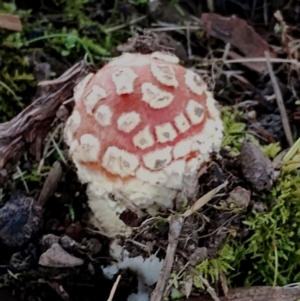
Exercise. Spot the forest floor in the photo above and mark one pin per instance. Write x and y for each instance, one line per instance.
(243, 242)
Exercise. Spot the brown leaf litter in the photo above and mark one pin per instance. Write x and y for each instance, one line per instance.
(238, 33)
(10, 22)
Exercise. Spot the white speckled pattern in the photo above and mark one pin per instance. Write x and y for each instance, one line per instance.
(141, 131)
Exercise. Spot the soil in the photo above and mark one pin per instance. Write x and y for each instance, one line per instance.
(29, 226)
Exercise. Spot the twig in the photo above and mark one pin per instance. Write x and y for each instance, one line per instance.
(188, 35)
(210, 290)
(258, 293)
(29, 128)
(51, 183)
(260, 59)
(280, 103)
(173, 27)
(118, 27)
(114, 288)
(249, 60)
(220, 227)
(176, 223)
(22, 179)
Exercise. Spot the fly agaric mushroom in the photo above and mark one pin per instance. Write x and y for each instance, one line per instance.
(142, 128)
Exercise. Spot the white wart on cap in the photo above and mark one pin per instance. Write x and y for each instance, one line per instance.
(143, 116)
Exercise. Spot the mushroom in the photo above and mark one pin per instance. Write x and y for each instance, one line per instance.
(141, 132)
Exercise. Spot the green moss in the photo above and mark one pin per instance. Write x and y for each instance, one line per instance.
(16, 79)
(212, 269)
(81, 35)
(271, 150)
(74, 10)
(274, 246)
(234, 131)
(270, 254)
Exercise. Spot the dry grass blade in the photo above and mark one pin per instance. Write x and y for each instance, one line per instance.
(292, 151)
(114, 288)
(280, 103)
(259, 59)
(210, 290)
(204, 200)
(236, 32)
(205, 62)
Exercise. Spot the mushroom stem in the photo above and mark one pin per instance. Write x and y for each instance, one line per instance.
(104, 218)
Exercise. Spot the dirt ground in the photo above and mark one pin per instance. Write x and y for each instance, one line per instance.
(248, 54)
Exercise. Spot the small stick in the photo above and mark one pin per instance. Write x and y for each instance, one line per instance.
(114, 288)
(257, 293)
(51, 183)
(27, 130)
(280, 103)
(176, 223)
(210, 290)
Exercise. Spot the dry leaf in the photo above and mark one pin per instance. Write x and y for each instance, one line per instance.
(238, 33)
(10, 22)
(239, 197)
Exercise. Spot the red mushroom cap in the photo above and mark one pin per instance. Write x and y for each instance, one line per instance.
(145, 117)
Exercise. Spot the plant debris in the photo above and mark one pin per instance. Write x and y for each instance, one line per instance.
(176, 223)
(51, 183)
(10, 22)
(30, 127)
(238, 33)
(262, 293)
(239, 238)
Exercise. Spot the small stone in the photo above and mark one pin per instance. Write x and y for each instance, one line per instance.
(198, 256)
(260, 207)
(48, 240)
(20, 220)
(239, 197)
(256, 167)
(67, 242)
(252, 115)
(57, 257)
